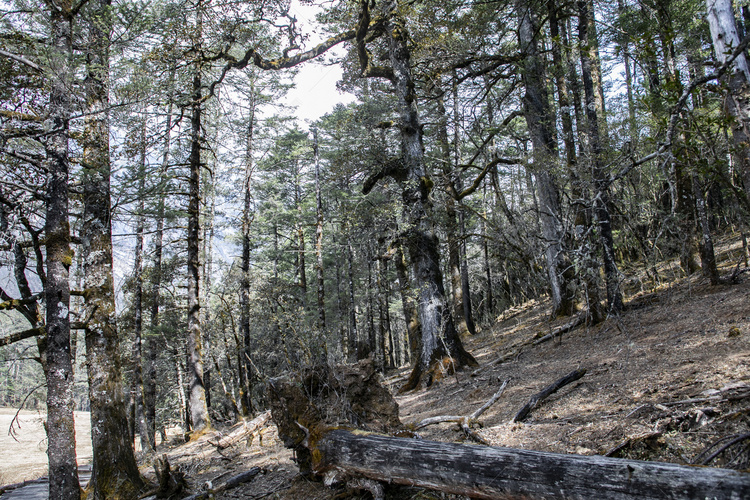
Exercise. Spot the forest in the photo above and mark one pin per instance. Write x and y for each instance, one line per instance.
(172, 238)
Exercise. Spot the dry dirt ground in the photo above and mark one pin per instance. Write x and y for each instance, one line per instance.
(664, 381)
(23, 452)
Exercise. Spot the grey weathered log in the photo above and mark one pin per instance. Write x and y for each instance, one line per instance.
(491, 473)
(243, 431)
(546, 392)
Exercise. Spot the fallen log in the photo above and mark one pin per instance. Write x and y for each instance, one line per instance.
(491, 473)
(547, 392)
(248, 428)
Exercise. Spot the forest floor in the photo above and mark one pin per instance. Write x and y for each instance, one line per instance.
(664, 381)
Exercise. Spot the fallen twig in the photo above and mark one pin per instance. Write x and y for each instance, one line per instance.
(734, 439)
(546, 392)
(630, 441)
(574, 323)
(464, 422)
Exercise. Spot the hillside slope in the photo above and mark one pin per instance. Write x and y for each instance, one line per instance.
(664, 381)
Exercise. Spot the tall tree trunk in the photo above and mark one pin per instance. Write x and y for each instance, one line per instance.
(451, 225)
(724, 34)
(115, 472)
(582, 219)
(301, 264)
(247, 218)
(352, 330)
(595, 118)
(199, 419)
(468, 314)
(137, 388)
(489, 304)
(540, 121)
(149, 383)
(708, 258)
(58, 370)
(440, 346)
(208, 238)
(319, 238)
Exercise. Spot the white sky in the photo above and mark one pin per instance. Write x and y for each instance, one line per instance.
(315, 92)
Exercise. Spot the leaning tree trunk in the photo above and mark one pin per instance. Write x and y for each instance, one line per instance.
(441, 346)
(540, 121)
(63, 472)
(115, 472)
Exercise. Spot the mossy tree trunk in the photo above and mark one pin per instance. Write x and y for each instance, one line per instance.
(115, 472)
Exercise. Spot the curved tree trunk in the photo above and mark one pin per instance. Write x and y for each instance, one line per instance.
(441, 347)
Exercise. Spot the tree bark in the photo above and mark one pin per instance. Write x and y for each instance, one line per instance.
(55, 351)
(724, 35)
(596, 136)
(115, 472)
(540, 121)
(440, 346)
(199, 419)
